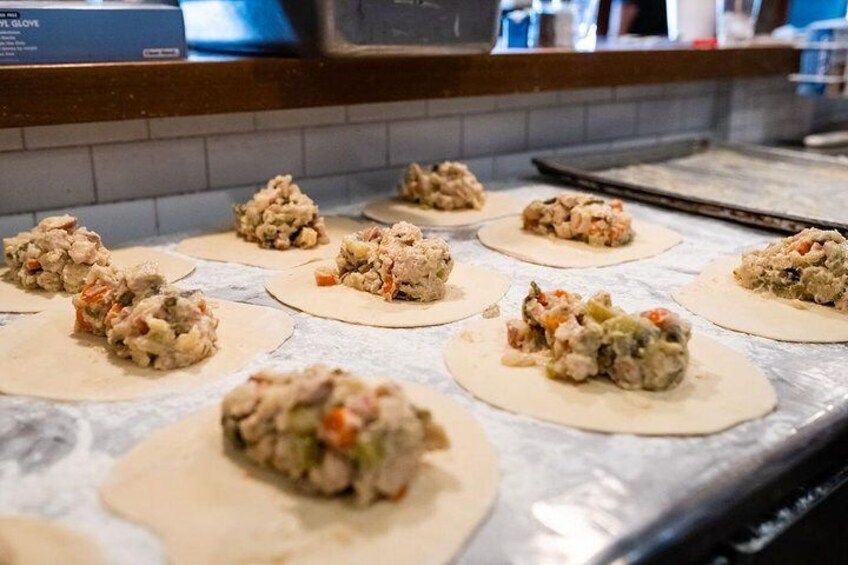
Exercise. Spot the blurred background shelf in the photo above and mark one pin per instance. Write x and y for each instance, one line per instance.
(52, 94)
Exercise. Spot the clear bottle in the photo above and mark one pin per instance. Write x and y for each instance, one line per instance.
(553, 24)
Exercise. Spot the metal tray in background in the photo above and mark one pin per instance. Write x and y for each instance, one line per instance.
(342, 28)
(593, 171)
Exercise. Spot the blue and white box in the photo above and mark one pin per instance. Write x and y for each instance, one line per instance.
(79, 32)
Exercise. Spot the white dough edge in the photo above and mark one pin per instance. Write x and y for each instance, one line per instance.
(470, 290)
(715, 295)
(394, 210)
(722, 389)
(507, 237)
(157, 485)
(35, 541)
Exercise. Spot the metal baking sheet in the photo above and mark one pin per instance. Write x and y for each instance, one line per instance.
(566, 496)
(343, 28)
(776, 189)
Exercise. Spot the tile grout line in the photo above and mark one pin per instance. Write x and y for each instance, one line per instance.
(303, 167)
(388, 131)
(462, 136)
(206, 165)
(156, 215)
(93, 174)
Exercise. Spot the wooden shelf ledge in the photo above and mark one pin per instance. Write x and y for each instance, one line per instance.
(54, 94)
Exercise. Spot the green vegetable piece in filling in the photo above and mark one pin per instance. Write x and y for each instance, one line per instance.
(598, 311)
(368, 452)
(303, 419)
(623, 324)
(307, 451)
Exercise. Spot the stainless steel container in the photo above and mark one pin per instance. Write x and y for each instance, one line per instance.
(343, 27)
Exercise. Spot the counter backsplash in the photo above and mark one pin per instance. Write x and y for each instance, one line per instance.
(133, 179)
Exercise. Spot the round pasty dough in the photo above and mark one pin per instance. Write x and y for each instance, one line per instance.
(716, 296)
(41, 356)
(507, 237)
(211, 506)
(470, 290)
(393, 210)
(721, 389)
(31, 541)
(15, 299)
(230, 248)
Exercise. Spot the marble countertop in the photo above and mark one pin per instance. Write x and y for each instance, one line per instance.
(566, 496)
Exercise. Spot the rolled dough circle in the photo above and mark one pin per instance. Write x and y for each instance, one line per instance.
(716, 296)
(507, 237)
(721, 389)
(41, 356)
(470, 290)
(393, 210)
(31, 541)
(209, 505)
(15, 299)
(227, 247)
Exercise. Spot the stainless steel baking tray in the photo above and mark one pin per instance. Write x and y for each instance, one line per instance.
(343, 27)
(567, 496)
(777, 189)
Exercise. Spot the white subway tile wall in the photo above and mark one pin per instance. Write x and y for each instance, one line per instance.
(46, 178)
(209, 210)
(137, 178)
(605, 122)
(387, 111)
(549, 127)
(493, 134)
(529, 100)
(455, 106)
(341, 149)
(301, 117)
(382, 182)
(187, 126)
(326, 191)
(247, 158)
(117, 223)
(697, 113)
(41, 137)
(585, 95)
(639, 92)
(149, 168)
(656, 117)
(515, 165)
(424, 140)
(482, 167)
(11, 225)
(11, 139)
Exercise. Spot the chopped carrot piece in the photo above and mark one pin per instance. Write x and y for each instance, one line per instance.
(616, 204)
(94, 293)
(657, 316)
(543, 300)
(82, 325)
(560, 293)
(804, 247)
(325, 279)
(553, 322)
(202, 306)
(399, 494)
(32, 265)
(142, 326)
(388, 286)
(339, 432)
(113, 313)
